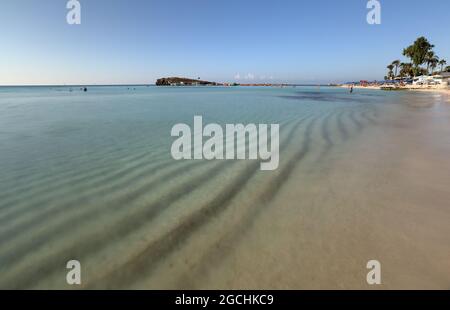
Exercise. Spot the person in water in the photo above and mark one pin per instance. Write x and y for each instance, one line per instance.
(351, 89)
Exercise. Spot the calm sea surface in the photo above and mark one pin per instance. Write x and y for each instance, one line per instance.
(89, 177)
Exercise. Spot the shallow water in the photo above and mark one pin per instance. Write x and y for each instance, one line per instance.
(89, 176)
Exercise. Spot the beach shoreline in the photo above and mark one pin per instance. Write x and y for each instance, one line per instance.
(445, 91)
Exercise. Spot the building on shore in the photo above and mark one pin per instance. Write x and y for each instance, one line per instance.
(441, 80)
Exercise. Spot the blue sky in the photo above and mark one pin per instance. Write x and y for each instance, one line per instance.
(137, 41)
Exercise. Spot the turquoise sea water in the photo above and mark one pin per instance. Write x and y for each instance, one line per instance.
(89, 176)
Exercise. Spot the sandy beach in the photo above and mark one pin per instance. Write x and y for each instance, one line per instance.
(385, 199)
(436, 90)
(442, 91)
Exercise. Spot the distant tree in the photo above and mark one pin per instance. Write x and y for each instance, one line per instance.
(406, 70)
(391, 72)
(396, 64)
(402, 73)
(418, 52)
(447, 69)
(433, 64)
(442, 63)
(431, 60)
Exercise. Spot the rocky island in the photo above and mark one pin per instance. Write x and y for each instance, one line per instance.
(179, 81)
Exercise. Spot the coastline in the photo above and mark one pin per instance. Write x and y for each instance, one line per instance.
(445, 91)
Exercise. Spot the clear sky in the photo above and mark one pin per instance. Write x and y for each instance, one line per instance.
(137, 41)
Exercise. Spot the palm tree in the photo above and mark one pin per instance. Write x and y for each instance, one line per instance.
(406, 70)
(434, 64)
(390, 73)
(396, 64)
(442, 63)
(430, 60)
(417, 52)
(403, 72)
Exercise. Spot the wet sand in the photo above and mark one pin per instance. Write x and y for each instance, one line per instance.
(384, 197)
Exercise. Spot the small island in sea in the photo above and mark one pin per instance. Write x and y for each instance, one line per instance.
(180, 81)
